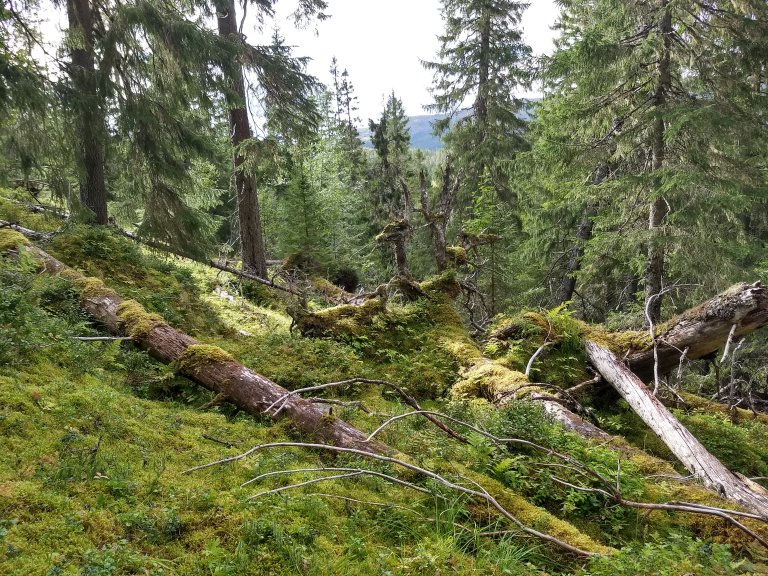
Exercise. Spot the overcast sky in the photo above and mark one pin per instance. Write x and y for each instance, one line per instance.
(380, 42)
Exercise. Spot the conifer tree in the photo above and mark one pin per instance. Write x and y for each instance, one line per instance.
(88, 106)
(286, 91)
(667, 92)
(391, 140)
(482, 60)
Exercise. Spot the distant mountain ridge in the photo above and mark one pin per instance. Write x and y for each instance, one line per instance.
(422, 135)
(420, 127)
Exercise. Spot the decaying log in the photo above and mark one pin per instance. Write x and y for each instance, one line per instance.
(208, 366)
(691, 453)
(704, 329)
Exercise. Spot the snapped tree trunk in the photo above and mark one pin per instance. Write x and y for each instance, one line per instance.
(248, 212)
(704, 329)
(88, 110)
(439, 218)
(208, 366)
(691, 453)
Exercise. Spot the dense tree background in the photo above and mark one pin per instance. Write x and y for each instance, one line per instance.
(635, 186)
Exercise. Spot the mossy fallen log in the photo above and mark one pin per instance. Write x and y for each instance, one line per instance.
(736, 312)
(209, 366)
(696, 333)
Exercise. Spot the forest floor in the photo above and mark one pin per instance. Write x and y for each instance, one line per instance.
(96, 437)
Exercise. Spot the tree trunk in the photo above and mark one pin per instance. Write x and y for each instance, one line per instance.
(248, 212)
(583, 235)
(654, 275)
(704, 329)
(696, 459)
(89, 115)
(214, 370)
(438, 220)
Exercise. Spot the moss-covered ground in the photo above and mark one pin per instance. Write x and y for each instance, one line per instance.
(96, 437)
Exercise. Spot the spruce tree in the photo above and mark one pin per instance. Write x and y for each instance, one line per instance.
(286, 93)
(482, 60)
(668, 94)
(88, 106)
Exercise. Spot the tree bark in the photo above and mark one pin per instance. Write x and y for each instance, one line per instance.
(704, 329)
(438, 219)
(248, 211)
(691, 453)
(244, 388)
(654, 275)
(583, 235)
(89, 115)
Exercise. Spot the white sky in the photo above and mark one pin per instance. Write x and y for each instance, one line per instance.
(380, 43)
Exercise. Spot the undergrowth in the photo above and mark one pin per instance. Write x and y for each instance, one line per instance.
(97, 435)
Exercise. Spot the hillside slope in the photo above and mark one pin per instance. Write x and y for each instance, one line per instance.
(97, 437)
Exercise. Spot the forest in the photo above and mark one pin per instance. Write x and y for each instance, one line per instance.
(236, 339)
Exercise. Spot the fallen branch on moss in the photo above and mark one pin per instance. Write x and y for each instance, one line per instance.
(209, 366)
(277, 406)
(479, 493)
(607, 488)
(736, 312)
(31, 234)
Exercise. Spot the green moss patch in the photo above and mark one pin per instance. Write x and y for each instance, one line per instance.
(90, 287)
(198, 355)
(10, 239)
(138, 323)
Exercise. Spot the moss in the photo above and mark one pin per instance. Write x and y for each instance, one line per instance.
(90, 287)
(532, 515)
(621, 343)
(301, 261)
(489, 380)
(344, 320)
(10, 239)
(445, 283)
(137, 322)
(326, 288)
(198, 355)
(699, 404)
(392, 230)
(457, 255)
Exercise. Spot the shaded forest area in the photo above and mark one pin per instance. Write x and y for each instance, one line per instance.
(235, 341)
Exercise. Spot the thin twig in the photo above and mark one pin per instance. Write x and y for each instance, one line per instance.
(484, 495)
(535, 355)
(336, 469)
(280, 403)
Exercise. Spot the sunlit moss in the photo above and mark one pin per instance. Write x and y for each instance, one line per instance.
(197, 356)
(489, 380)
(90, 287)
(10, 239)
(344, 320)
(532, 516)
(138, 323)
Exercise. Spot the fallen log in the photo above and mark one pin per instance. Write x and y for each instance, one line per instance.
(691, 453)
(209, 366)
(740, 310)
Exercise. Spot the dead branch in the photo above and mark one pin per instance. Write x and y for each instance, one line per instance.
(481, 494)
(278, 404)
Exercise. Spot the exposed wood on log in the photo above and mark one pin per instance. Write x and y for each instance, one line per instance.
(244, 388)
(705, 329)
(31, 234)
(678, 439)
